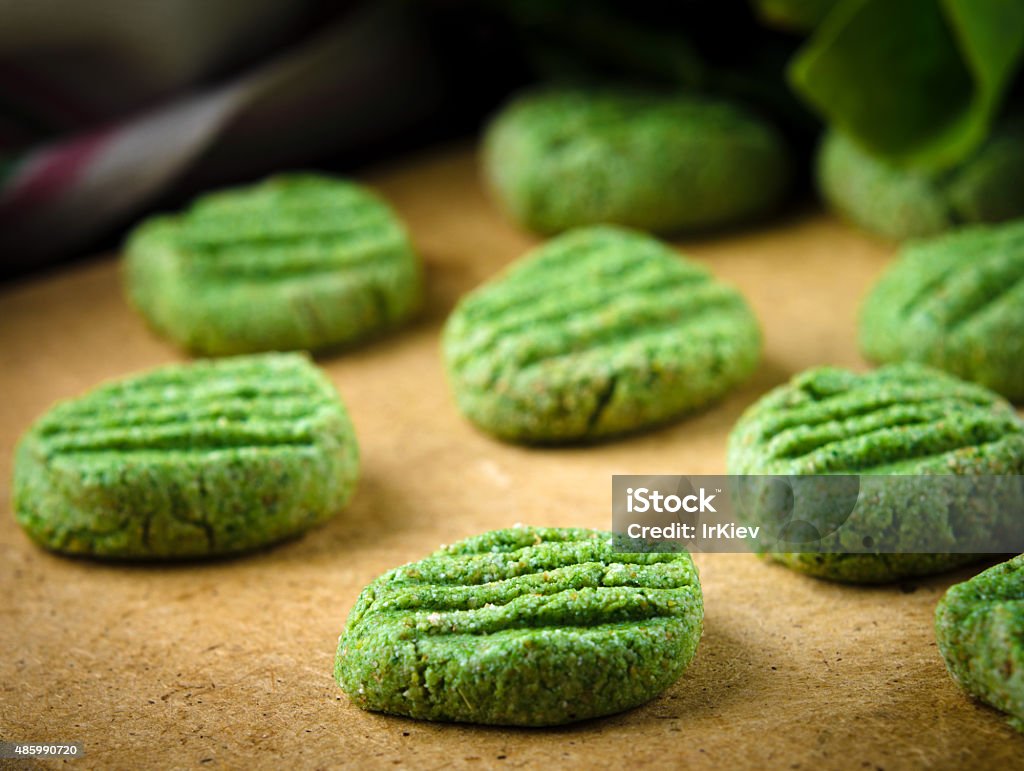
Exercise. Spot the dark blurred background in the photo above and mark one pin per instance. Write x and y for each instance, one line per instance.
(115, 108)
(112, 109)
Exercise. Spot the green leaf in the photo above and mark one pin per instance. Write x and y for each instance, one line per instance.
(916, 82)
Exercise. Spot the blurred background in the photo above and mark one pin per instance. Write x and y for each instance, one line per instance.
(112, 109)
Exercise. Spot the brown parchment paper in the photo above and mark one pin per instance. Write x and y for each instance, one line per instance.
(228, 664)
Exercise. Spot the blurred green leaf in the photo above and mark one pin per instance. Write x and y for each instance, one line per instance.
(917, 82)
(793, 15)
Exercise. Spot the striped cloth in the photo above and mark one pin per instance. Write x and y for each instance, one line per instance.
(122, 103)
